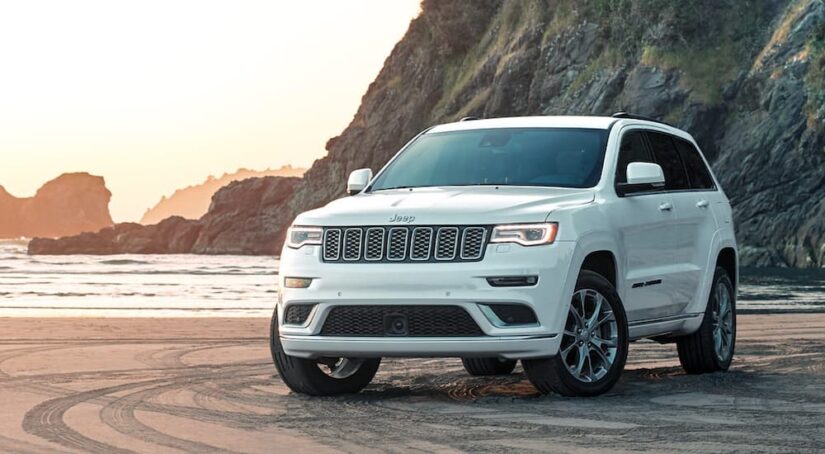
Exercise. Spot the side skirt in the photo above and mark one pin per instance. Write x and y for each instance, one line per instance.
(660, 326)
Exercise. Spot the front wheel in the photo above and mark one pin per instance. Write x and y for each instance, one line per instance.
(321, 376)
(710, 348)
(593, 347)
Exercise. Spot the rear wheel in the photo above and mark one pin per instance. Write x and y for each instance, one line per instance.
(593, 347)
(488, 366)
(321, 376)
(711, 347)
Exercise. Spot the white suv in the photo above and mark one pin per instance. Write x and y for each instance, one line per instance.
(550, 240)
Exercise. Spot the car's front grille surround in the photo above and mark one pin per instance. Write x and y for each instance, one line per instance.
(352, 244)
(374, 244)
(422, 242)
(420, 321)
(446, 243)
(404, 244)
(397, 250)
(332, 244)
(473, 242)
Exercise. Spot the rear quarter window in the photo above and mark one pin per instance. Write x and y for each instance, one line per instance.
(698, 173)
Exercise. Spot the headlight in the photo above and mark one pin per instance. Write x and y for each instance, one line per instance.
(300, 236)
(525, 234)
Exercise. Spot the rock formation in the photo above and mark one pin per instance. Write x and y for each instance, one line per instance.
(245, 217)
(746, 77)
(192, 202)
(69, 204)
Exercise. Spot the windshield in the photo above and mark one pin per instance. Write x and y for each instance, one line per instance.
(560, 157)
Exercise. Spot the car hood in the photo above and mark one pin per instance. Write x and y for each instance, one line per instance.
(446, 205)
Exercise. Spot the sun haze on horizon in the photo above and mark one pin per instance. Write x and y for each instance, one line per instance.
(157, 95)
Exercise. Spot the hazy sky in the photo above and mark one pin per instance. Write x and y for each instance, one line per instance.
(156, 95)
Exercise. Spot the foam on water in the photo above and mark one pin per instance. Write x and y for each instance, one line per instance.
(135, 285)
(246, 286)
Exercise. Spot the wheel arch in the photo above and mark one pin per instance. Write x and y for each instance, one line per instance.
(602, 262)
(727, 260)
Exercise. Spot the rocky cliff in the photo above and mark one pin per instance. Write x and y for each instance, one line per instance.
(245, 217)
(69, 204)
(192, 202)
(746, 77)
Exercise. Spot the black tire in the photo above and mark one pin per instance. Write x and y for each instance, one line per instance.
(697, 351)
(304, 376)
(488, 366)
(553, 375)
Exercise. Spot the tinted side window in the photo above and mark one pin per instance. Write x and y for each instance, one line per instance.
(632, 149)
(666, 156)
(697, 171)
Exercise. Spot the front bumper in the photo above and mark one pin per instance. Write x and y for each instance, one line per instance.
(458, 284)
(507, 347)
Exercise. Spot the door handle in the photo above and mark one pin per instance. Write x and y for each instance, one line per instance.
(667, 206)
(702, 204)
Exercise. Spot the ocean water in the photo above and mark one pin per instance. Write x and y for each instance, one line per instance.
(135, 285)
(246, 286)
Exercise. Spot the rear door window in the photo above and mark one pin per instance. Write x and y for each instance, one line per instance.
(632, 149)
(666, 156)
(697, 171)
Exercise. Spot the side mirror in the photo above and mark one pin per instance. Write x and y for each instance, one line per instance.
(358, 180)
(641, 176)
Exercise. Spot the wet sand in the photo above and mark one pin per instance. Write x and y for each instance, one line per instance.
(207, 385)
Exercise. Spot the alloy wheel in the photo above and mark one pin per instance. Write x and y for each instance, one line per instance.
(339, 367)
(591, 336)
(723, 330)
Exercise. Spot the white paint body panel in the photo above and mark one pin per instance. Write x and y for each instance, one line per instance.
(678, 246)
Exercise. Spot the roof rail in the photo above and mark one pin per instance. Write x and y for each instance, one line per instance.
(638, 117)
(469, 119)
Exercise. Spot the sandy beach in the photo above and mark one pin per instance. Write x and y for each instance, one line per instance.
(207, 385)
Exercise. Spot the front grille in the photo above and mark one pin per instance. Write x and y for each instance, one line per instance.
(405, 244)
(420, 321)
(332, 244)
(446, 243)
(422, 242)
(352, 244)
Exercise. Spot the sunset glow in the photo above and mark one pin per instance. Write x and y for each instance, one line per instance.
(156, 95)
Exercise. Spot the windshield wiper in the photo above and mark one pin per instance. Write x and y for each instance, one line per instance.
(397, 187)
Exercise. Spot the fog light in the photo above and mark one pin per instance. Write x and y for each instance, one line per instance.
(513, 281)
(513, 314)
(297, 282)
(297, 314)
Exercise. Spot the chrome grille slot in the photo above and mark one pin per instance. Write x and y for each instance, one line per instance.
(352, 243)
(445, 243)
(472, 243)
(332, 244)
(422, 241)
(397, 249)
(373, 244)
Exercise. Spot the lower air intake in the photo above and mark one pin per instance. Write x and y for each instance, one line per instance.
(414, 321)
